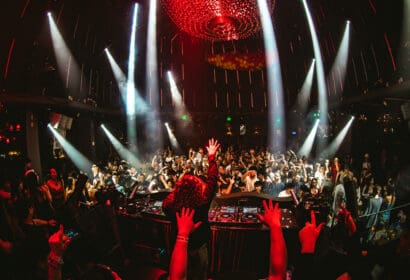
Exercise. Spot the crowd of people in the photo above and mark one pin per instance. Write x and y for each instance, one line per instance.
(358, 210)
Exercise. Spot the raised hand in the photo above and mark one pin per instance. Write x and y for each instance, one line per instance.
(348, 220)
(58, 242)
(185, 222)
(309, 234)
(272, 215)
(212, 147)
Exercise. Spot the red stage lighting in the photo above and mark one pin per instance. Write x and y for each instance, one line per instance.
(216, 20)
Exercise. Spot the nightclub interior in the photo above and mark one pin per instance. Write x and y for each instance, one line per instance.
(204, 139)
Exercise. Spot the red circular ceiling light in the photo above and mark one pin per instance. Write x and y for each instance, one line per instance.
(216, 20)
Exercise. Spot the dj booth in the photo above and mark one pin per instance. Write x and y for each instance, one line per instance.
(240, 242)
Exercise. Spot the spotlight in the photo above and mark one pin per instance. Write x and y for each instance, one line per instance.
(320, 72)
(180, 109)
(304, 94)
(67, 65)
(307, 146)
(79, 160)
(131, 92)
(172, 138)
(337, 142)
(121, 150)
(274, 79)
(152, 128)
(337, 73)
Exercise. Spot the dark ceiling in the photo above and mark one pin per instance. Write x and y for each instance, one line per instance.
(27, 62)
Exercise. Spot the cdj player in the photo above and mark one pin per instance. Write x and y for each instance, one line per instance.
(154, 208)
(247, 216)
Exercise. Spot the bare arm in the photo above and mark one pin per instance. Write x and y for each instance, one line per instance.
(179, 257)
(278, 253)
(212, 148)
(228, 190)
(31, 220)
(153, 161)
(58, 243)
(245, 175)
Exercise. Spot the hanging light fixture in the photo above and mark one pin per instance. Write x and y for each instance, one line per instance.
(216, 20)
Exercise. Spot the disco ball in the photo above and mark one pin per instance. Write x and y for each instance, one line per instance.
(216, 20)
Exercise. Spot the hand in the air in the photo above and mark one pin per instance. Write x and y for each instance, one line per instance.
(272, 215)
(212, 147)
(309, 234)
(59, 242)
(185, 222)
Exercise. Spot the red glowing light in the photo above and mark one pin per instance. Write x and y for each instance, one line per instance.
(216, 20)
(11, 128)
(18, 127)
(7, 141)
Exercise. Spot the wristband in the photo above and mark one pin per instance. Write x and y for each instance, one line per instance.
(182, 238)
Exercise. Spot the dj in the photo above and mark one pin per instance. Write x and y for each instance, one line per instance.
(192, 192)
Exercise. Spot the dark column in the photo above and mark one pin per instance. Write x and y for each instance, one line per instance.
(33, 148)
